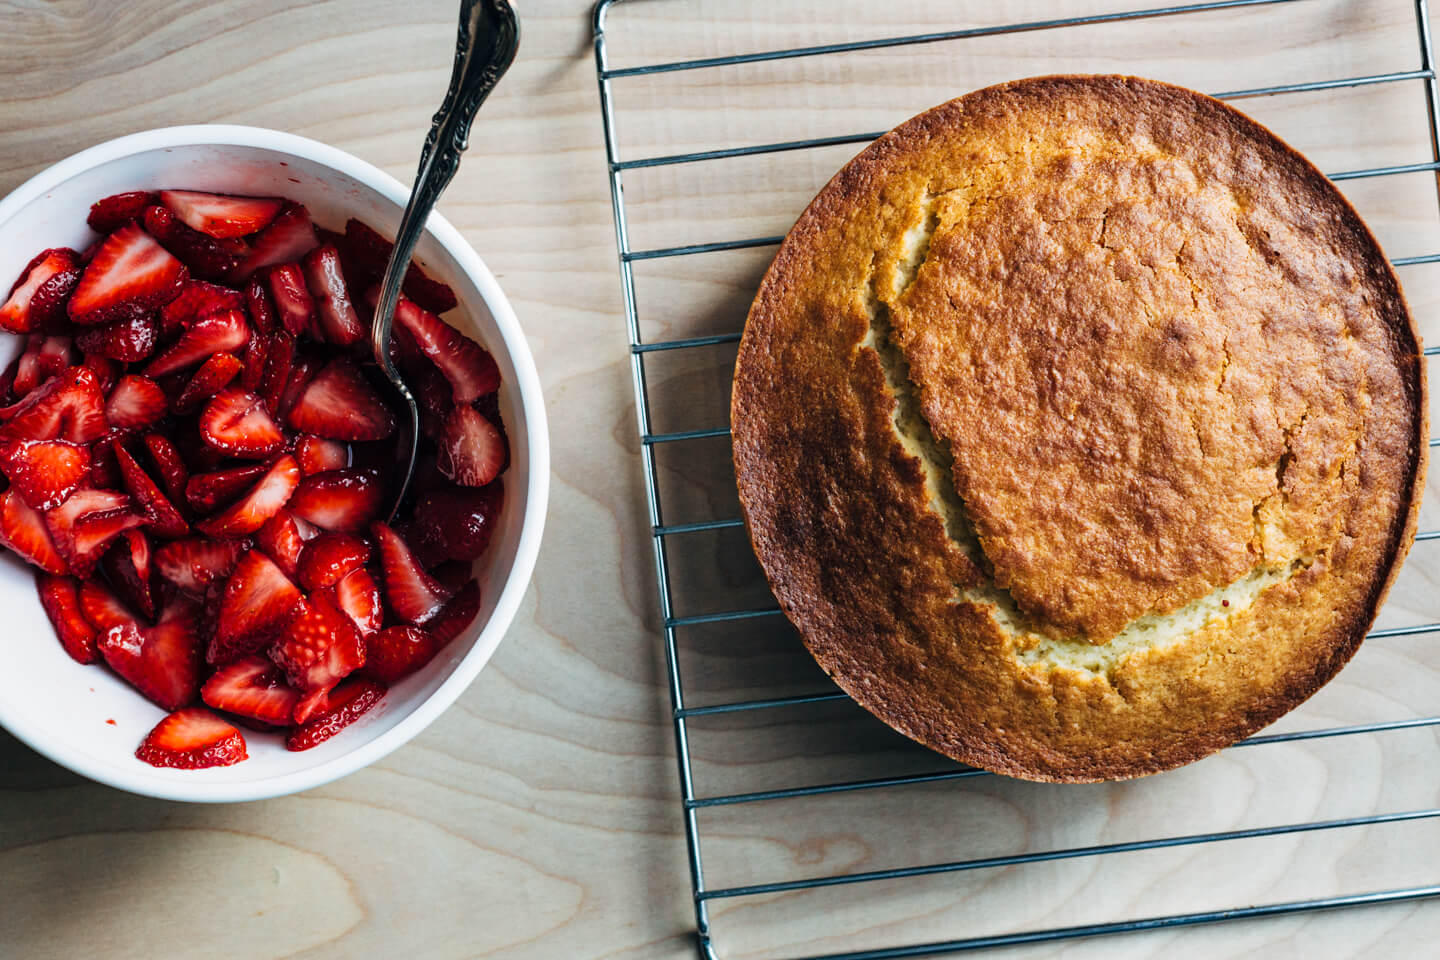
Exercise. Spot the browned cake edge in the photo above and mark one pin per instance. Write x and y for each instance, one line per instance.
(827, 641)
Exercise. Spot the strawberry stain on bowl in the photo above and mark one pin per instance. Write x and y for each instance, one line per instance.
(195, 456)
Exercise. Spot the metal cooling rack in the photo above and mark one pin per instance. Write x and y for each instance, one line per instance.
(666, 537)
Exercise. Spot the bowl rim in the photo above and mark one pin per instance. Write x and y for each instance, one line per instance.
(538, 450)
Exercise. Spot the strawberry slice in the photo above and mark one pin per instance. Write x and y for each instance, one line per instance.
(340, 405)
(358, 596)
(411, 594)
(163, 661)
(44, 472)
(160, 513)
(206, 492)
(192, 739)
(316, 454)
(279, 361)
(252, 374)
(342, 707)
(220, 215)
(129, 339)
(472, 451)
(194, 564)
(127, 565)
(250, 512)
(370, 252)
(456, 615)
(293, 303)
(23, 530)
(396, 652)
(130, 274)
(173, 472)
(257, 603)
(301, 374)
(207, 257)
(329, 557)
(258, 306)
(236, 422)
(44, 356)
(70, 406)
(280, 538)
(197, 299)
(318, 647)
(37, 300)
(109, 214)
(288, 238)
(339, 321)
(341, 500)
(213, 375)
(218, 332)
(60, 596)
(469, 367)
(461, 520)
(135, 403)
(102, 608)
(87, 521)
(253, 687)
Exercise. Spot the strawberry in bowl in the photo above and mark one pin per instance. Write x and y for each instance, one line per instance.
(195, 465)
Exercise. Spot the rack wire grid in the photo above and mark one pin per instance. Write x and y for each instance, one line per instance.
(671, 539)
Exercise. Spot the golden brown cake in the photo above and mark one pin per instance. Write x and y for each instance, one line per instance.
(1079, 427)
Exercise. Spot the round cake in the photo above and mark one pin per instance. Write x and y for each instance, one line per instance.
(1079, 427)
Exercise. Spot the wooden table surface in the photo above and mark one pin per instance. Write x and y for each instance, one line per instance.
(540, 817)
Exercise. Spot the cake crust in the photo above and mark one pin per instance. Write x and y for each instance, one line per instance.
(1079, 427)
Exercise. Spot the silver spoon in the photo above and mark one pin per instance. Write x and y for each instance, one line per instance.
(489, 36)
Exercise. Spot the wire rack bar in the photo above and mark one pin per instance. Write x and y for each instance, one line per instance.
(688, 342)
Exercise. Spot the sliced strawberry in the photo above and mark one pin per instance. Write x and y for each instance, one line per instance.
(129, 339)
(207, 257)
(469, 367)
(342, 500)
(259, 307)
(293, 303)
(127, 566)
(219, 332)
(279, 361)
(135, 403)
(339, 321)
(44, 472)
(236, 422)
(287, 239)
(318, 647)
(192, 739)
(161, 516)
(396, 652)
(38, 298)
(303, 371)
(206, 492)
(60, 596)
(173, 472)
(329, 557)
(212, 376)
(102, 608)
(370, 252)
(358, 596)
(257, 603)
(36, 364)
(104, 471)
(460, 519)
(23, 530)
(340, 405)
(343, 706)
(472, 451)
(220, 215)
(252, 374)
(316, 454)
(130, 274)
(111, 213)
(87, 521)
(280, 538)
(411, 594)
(249, 513)
(195, 564)
(70, 406)
(457, 615)
(253, 687)
(432, 395)
(163, 661)
(196, 300)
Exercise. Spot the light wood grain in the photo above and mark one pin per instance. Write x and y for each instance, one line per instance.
(540, 816)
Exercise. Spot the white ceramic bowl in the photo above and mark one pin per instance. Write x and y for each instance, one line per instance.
(86, 718)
